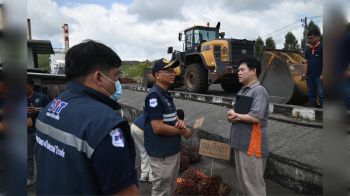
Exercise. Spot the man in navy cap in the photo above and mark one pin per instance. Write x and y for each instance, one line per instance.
(163, 130)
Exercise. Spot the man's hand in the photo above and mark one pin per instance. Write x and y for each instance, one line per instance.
(232, 116)
(187, 133)
(321, 78)
(31, 110)
(180, 124)
(29, 122)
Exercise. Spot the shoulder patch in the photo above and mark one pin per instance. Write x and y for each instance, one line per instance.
(153, 102)
(117, 137)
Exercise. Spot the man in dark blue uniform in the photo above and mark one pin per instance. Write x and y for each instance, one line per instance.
(83, 146)
(35, 102)
(313, 70)
(163, 130)
(137, 127)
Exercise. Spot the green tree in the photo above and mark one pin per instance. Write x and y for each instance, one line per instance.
(44, 61)
(134, 69)
(259, 46)
(291, 43)
(270, 43)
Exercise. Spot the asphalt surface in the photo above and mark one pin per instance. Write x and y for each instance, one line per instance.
(215, 89)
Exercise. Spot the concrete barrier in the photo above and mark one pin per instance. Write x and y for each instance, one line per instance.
(284, 112)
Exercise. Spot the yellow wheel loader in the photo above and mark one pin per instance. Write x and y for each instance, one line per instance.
(207, 58)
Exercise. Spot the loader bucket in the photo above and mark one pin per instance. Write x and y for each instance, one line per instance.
(281, 76)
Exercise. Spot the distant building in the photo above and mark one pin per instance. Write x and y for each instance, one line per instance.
(35, 47)
(57, 61)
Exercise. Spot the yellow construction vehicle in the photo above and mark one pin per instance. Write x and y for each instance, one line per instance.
(207, 58)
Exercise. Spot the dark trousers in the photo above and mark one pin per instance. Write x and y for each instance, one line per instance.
(30, 155)
(314, 88)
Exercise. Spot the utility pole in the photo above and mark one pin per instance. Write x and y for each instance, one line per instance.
(305, 32)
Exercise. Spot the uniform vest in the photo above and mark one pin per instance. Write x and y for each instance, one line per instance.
(161, 145)
(69, 129)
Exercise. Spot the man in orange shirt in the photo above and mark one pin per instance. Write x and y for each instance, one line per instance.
(248, 131)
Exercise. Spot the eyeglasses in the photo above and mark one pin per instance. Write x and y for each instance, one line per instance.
(311, 37)
(167, 71)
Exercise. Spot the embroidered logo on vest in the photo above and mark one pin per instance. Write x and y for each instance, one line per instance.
(55, 108)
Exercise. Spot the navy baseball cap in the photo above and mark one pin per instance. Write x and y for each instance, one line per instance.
(164, 64)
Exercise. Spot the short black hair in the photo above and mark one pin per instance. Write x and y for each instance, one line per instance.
(252, 63)
(30, 81)
(313, 32)
(88, 56)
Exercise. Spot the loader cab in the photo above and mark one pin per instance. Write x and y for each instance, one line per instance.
(198, 34)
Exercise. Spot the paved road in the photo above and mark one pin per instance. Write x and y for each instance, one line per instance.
(215, 89)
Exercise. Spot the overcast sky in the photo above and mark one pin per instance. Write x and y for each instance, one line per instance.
(143, 29)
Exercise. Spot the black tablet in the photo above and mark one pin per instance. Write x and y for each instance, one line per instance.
(243, 104)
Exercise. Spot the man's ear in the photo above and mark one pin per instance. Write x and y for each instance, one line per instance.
(97, 77)
(156, 75)
(252, 71)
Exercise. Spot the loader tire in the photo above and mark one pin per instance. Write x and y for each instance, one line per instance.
(231, 87)
(196, 78)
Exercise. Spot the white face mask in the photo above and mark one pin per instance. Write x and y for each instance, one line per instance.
(118, 89)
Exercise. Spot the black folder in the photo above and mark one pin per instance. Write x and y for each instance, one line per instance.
(243, 104)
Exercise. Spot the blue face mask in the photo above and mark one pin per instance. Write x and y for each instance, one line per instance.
(118, 91)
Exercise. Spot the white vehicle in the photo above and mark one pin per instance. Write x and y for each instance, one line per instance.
(57, 61)
(57, 67)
